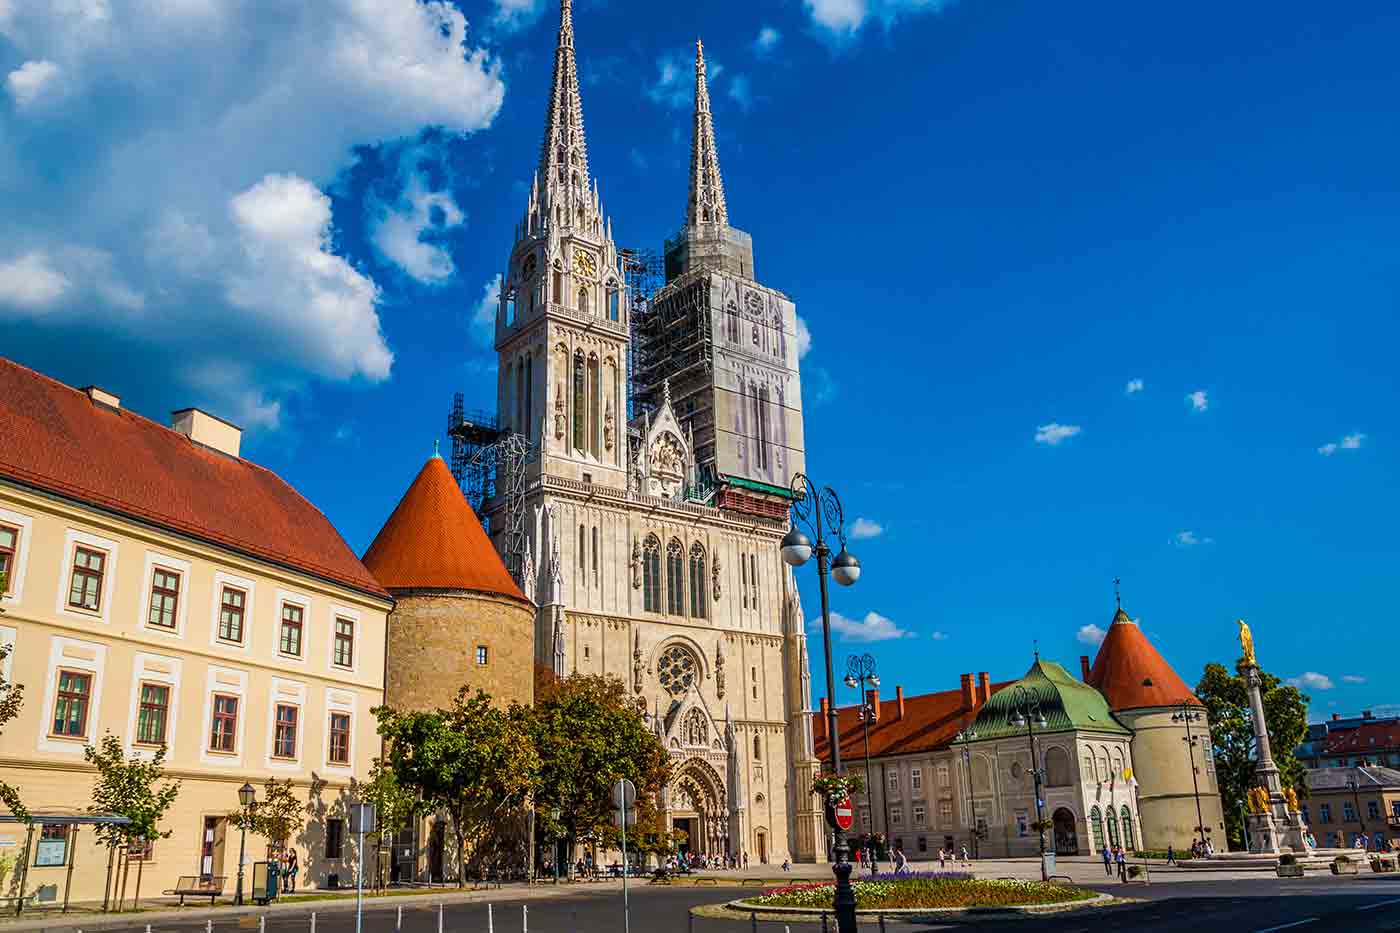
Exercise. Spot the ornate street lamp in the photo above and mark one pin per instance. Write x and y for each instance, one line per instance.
(1026, 712)
(860, 670)
(816, 510)
(246, 800)
(1187, 715)
(965, 738)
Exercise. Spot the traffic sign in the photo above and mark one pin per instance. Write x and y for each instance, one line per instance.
(843, 814)
(624, 795)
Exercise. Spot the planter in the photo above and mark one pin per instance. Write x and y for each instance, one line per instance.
(1345, 868)
(1289, 871)
(1383, 863)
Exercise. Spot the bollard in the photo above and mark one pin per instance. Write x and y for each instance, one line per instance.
(823, 921)
(439, 916)
(313, 921)
(398, 921)
(262, 924)
(882, 923)
(753, 921)
(524, 918)
(490, 920)
(208, 927)
(148, 928)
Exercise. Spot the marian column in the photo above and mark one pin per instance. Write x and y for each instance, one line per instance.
(1274, 822)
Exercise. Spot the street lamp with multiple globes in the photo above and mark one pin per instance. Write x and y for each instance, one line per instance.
(246, 799)
(965, 738)
(860, 670)
(816, 510)
(1026, 712)
(1186, 714)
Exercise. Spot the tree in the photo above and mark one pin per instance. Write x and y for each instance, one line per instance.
(128, 788)
(1226, 699)
(11, 697)
(589, 737)
(397, 806)
(472, 761)
(274, 816)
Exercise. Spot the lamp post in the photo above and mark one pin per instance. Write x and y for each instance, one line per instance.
(1026, 712)
(816, 509)
(1186, 714)
(246, 799)
(860, 670)
(554, 816)
(1355, 787)
(965, 738)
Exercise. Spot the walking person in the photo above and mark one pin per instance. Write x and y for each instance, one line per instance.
(1107, 854)
(1122, 859)
(292, 871)
(901, 864)
(1171, 854)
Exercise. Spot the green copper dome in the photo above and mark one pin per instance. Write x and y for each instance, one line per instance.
(1066, 703)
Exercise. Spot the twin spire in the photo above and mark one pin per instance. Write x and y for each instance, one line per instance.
(564, 151)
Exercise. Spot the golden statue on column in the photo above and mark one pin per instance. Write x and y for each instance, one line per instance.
(1247, 644)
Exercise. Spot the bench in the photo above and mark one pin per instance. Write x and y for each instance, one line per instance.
(18, 901)
(195, 886)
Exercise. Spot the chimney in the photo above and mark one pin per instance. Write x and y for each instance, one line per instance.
(207, 430)
(1365, 714)
(899, 703)
(984, 687)
(872, 699)
(102, 397)
(1336, 717)
(968, 702)
(1084, 667)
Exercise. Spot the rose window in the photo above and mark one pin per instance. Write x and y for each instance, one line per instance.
(676, 669)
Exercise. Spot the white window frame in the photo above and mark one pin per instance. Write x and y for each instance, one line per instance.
(284, 692)
(25, 524)
(944, 776)
(339, 701)
(916, 780)
(920, 815)
(896, 816)
(86, 657)
(349, 615)
(153, 669)
(229, 682)
(156, 559)
(892, 781)
(72, 540)
(249, 588)
(296, 599)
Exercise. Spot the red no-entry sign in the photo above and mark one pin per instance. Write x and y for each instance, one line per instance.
(844, 814)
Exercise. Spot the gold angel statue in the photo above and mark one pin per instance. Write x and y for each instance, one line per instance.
(1247, 643)
(1258, 800)
(1291, 796)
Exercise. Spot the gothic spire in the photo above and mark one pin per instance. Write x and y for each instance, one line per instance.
(706, 204)
(563, 152)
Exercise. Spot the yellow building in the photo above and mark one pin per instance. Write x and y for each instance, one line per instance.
(166, 591)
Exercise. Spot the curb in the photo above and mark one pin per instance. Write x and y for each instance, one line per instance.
(730, 908)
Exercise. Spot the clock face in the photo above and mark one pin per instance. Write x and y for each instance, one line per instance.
(584, 263)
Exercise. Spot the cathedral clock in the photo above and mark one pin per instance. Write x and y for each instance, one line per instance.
(584, 263)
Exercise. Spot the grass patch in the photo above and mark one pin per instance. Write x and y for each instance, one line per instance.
(927, 893)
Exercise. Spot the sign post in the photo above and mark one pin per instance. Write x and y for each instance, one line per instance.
(624, 799)
(361, 821)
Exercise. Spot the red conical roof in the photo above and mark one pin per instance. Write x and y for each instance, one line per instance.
(1130, 672)
(434, 541)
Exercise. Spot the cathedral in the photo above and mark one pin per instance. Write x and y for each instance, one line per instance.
(664, 435)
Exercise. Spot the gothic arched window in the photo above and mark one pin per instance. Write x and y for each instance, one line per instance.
(521, 424)
(558, 285)
(676, 669)
(651, 574)
(1127, 824)
(614, 303)
(580, 400)
(697, 581)
(593, 404)
(528, 427)
(582, 549)
(1057, 769)
(1096, 827)
(675, 578)
(583, 300)
(757, 749)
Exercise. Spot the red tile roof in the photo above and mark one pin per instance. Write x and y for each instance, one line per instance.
(1365, 739)
(55, 438)
(930, 722)
(1130, 672)
(433, 541)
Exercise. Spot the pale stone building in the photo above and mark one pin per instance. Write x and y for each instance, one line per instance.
(645, 566)
(165, 590)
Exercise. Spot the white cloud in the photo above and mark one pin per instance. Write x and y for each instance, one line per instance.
(804, 338)
(1090, 635)
(1353, 679)
(1053, 433)
(843, 18)
(940, 636)
(1134, 386)
(739, 92)
(483, 320)
(1311, 680)
(1190, 539)
(30, 283)
(864, 528)
(196, 203)
(402, 232)
(874, 627)
(26, 83)
(768, 39)
(1350, 442)
(512, 15)
(674, 86)
(1198, 400)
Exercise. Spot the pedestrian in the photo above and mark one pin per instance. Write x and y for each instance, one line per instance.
(942, 858)
(901, 864)
(966, 860)
(1121, 857)
(1171, 854)
(292, 871)
(1107, 860)
(787, 865)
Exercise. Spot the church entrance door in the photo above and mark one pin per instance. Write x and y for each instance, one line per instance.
(689, 825)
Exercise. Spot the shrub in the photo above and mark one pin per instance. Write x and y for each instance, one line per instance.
(926, 892)
(1343, 860)
(1288, 858)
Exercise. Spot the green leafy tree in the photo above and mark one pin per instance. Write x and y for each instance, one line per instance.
(275, 815)
(128, 787)
(589, 737)
(473, 761)
(11, 697)
(1226, 699)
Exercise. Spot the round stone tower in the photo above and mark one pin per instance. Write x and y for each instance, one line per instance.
(458, 619)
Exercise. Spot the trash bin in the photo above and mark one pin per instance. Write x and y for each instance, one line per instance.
(265, 882)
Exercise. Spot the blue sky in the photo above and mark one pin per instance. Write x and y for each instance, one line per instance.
(1094, 290)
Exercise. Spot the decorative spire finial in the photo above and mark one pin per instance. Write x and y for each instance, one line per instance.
(666, 392)
(1035, 643)
(1117, 598)
(706, 204)
(435, 449)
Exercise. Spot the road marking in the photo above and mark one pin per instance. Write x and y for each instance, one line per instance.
(1395, 900)
(1296, 923)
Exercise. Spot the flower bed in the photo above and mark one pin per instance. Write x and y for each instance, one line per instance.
(925, 891)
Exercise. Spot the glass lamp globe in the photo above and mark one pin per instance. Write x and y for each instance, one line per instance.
(850, 681)
(874, 680)
(797, 549)
(845, 568)
(245, 795)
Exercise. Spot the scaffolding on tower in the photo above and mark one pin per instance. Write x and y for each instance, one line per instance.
(644, 272)
(488, 462)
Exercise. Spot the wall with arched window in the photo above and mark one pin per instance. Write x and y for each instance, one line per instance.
(675, 578)
(651, 574)
(698, 585)
(1096, 828)
(1058, 772)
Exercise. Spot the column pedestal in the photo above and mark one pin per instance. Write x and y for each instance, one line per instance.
(1276, 829)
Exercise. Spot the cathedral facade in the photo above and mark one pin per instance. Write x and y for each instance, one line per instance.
(655, 503)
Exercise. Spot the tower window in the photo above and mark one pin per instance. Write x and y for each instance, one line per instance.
(697, 581)
(558, 286)
(580, 401)
(675, 579)
(583, 300)
(651, 574)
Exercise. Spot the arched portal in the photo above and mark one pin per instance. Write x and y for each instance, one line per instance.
(696, 805)
(1066, 836)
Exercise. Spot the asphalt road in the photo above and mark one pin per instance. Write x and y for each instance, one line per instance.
(1264, 905)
